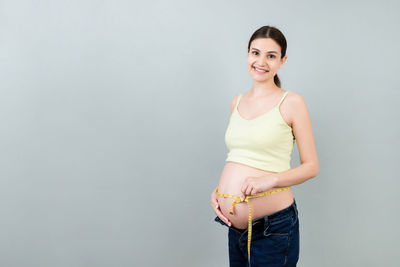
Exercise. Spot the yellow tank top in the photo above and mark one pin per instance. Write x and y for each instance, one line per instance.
(265, 142)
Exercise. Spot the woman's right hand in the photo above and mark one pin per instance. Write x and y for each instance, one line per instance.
(216, 207)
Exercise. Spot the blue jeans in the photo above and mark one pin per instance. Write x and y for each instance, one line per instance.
(275, 240)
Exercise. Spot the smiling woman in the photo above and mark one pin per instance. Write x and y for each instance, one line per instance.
(254, 197)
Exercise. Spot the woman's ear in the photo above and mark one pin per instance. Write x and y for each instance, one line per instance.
(283, 60)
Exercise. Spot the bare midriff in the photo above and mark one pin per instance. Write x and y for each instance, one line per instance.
(231, 181)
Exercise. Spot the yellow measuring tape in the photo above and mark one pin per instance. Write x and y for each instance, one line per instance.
(238, 200)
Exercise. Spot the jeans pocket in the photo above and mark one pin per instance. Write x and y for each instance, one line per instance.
(279, 227)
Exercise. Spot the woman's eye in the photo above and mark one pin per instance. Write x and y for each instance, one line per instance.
(268, 56)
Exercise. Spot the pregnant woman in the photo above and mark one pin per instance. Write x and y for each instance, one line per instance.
(254, 197)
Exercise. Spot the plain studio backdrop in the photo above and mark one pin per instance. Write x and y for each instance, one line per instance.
(112, 122)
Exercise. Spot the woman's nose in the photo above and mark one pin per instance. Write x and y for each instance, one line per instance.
(261, 62)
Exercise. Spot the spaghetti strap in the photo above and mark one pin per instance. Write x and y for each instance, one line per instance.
(282, 98)
(237, 102)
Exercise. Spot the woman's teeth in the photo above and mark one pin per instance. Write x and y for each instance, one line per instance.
(260, 70)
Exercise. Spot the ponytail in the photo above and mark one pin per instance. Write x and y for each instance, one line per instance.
(277, 81)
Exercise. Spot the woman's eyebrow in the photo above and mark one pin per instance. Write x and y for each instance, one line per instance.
(266, 51)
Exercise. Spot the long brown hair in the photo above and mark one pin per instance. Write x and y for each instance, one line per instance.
(277, 36)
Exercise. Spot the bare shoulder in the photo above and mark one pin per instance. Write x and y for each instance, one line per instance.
(292, 106)
(297, 111)
(295, 103)
(294, 98)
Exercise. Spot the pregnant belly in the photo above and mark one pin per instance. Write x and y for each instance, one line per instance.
(231, 181)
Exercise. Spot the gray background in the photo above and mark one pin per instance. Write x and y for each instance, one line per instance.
(113, 116)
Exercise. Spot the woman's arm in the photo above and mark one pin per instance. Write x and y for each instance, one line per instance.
(302, 130)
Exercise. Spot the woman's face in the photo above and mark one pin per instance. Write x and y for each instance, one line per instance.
(265, 55)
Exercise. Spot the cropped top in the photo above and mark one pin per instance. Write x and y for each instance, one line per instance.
(265, 142)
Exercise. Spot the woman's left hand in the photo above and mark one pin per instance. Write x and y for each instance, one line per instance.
(253, 185)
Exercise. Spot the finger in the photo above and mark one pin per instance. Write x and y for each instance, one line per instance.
(224, 218)
(243, 194)
(244, 189)
(254, 191)
(248, 190)
(214, 200)
(221, 216)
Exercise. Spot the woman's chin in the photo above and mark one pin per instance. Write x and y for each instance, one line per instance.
(259, 79)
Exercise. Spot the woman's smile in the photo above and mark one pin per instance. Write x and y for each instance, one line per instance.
(261, 71)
